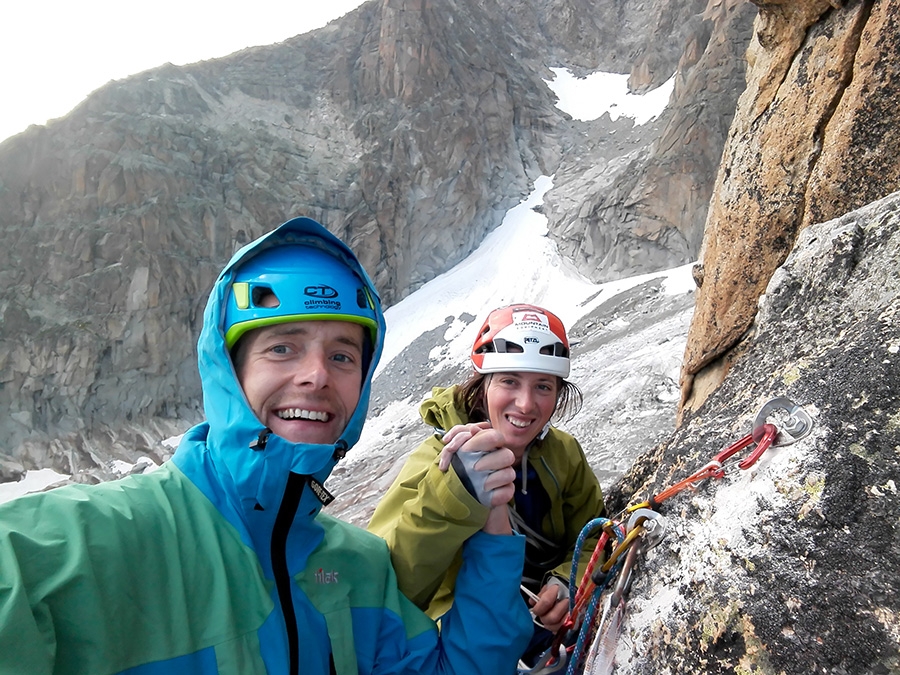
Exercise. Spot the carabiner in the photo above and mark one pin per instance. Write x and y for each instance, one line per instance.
(769, 432)
(547, 664)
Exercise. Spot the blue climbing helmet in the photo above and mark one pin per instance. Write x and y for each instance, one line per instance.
(297, 282)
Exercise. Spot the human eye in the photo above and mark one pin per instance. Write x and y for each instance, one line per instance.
(346, 359)
(279, 349)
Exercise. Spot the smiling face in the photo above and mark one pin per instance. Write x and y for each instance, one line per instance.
(302, 379)
(519, 405)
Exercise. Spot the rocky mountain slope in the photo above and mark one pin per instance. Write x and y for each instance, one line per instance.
(792, 565)
(407, 127)
(115, 218)
(815, 135)
(638, 209)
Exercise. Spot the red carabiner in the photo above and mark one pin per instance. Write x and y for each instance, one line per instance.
(715, 468)
(726, 454)
(770, 431)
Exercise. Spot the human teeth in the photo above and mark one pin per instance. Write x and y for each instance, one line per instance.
(298, 413)
(517, 423)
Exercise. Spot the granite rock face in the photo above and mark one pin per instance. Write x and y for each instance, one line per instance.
(642, 207)
(792, 566)
(814, 136)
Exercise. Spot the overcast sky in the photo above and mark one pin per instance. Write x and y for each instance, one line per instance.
(54, 53)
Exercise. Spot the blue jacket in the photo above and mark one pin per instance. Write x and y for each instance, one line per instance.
(222, 562)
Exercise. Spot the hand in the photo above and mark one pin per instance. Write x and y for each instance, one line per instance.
(490, 470)
(454, 439)
(551, 606)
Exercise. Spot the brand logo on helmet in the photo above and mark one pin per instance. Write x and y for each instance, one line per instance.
(531, 341)
(529, 316)
(531, 320)
(320, 291)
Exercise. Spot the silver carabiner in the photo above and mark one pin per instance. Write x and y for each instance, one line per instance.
(546, 665)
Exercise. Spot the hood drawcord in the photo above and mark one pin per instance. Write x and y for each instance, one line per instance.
(525, 470)
(340, 449)
(262, 439)
(537, 439)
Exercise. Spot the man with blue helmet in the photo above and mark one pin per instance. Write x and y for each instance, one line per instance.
(221, 560)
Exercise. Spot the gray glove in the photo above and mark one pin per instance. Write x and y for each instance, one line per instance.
(473, 479)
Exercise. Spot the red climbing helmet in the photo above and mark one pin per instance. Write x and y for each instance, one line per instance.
(522, 338)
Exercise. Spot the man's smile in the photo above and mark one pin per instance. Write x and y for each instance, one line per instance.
(300, 413)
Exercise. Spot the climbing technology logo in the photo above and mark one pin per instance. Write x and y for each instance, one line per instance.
(321, 297)
(323, 577)
(320, 291)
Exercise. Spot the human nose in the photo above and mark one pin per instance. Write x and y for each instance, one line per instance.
(312, 370)
(525, 398)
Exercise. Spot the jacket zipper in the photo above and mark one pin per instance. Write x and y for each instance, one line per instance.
(283, 520)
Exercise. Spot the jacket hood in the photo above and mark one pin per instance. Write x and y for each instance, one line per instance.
(258, 461)
(440, 412)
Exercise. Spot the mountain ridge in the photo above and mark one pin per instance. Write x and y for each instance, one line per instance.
(407, 127)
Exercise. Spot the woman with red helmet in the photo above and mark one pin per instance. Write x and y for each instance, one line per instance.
(444, 490)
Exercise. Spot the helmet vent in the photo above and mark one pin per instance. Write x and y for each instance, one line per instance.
(264, 296)
(508, 347)
(556, 349)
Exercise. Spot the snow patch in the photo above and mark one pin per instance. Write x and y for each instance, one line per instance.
(34, 481)
(518, 263)
(588, 98)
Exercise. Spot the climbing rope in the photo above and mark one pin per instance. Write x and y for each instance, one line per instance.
(586, 642)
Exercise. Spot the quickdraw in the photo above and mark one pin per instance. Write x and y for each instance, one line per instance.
(714, 468)
(586, 642)
(791, 423)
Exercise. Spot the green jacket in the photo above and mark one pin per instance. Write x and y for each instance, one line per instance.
(426, 515)
(222, 562)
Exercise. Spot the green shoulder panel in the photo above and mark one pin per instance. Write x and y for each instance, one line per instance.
(353, 570)
(119, 574)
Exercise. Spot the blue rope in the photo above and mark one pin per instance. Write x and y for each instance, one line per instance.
(574, 664)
